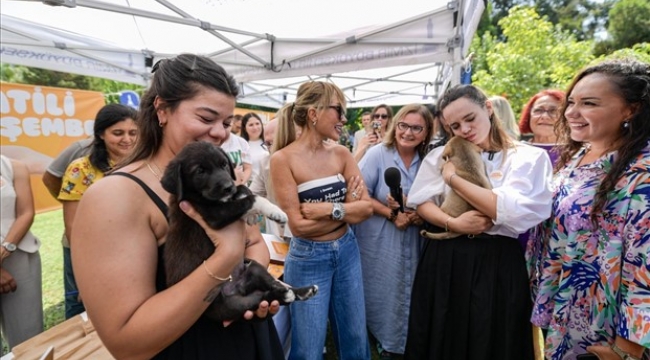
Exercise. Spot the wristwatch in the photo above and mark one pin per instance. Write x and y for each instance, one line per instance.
(338, 211)
(623, 354)
(9, 246)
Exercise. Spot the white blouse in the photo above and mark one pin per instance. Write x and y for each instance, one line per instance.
(522, 184)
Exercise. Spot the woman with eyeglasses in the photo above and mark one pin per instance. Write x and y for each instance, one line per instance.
(318, 184)
(389, 241)
(382, 117)
(538, 119)
(471, 296)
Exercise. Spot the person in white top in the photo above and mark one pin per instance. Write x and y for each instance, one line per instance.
(366, 121)
(21, 308)
(252, 130)
(470, 294)
(239, 151)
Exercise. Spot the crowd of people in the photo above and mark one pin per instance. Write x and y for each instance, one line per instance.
(557, 249)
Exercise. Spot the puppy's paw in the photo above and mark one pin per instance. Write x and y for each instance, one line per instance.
(279, 217)
(305, 293)
(268, 209)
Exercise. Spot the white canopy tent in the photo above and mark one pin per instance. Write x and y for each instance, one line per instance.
(378, 52)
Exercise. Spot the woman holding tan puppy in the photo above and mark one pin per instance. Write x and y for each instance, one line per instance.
(470, 296)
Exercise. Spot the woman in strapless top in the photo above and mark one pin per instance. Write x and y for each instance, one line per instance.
(318, 184)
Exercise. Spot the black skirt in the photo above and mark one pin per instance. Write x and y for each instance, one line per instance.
(471, 301)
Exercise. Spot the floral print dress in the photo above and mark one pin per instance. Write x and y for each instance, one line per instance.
(595, 284)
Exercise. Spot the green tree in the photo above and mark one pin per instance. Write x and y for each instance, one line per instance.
(629, 23)
(36, 76)
(639, 52)
(582, 18)
(535, 55)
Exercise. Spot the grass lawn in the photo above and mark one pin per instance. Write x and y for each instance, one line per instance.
(48, 227)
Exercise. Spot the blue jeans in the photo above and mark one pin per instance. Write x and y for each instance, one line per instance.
(72, 304)
(335, 266)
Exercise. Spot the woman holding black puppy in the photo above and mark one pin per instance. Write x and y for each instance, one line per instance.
(121, 227)
(470, 296)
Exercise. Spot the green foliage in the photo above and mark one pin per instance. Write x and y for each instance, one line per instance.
(10, 73)
(639, 52)
(36, 76)
(581, 18)
(629, 23)
(536, 55)
(48, 227)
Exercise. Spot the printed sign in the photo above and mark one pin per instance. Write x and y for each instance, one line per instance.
(38, 122)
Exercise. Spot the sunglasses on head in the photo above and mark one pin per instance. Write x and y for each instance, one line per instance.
(383, 116)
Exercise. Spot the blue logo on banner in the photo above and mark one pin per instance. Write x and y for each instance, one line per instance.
(130, 98)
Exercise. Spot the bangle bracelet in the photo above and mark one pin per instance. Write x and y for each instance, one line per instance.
(449, 180)
(447, 223)
(210, 274)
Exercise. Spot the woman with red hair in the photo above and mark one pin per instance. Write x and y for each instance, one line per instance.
(538, 120)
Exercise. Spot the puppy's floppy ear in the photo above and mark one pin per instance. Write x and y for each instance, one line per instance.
(230, 165)
(179, 182)
(172, 180)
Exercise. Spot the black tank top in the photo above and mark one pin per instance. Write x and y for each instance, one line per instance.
(207, 339)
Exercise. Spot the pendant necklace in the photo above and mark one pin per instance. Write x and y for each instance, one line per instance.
(156, 174)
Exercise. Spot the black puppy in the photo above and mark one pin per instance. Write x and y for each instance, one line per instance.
(203, 175)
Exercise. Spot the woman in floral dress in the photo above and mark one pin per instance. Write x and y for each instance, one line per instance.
(594, 289)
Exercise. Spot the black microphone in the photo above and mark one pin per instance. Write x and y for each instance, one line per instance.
(393, 179)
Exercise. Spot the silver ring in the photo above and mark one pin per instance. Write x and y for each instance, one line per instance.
(354, 194)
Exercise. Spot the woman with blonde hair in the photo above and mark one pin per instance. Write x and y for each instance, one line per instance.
(318, 184)
(504, 112)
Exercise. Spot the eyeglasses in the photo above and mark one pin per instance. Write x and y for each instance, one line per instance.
(416, 129)
(383, 116)
(540, 111)
(339, 110)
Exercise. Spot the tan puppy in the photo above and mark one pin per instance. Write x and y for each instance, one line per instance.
(466, 157)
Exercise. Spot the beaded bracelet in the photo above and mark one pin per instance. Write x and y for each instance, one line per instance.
(229, 278)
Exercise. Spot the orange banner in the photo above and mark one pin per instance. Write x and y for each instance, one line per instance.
(38, 122)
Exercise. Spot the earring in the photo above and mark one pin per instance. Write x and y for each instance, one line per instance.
(625, 125)
(313, 122)
(160, 123)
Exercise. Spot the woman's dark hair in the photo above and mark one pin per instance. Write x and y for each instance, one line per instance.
(499, 139)
(524, 119)
(631, 80)
(107, 116)
(175, 80)
(244, 121)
